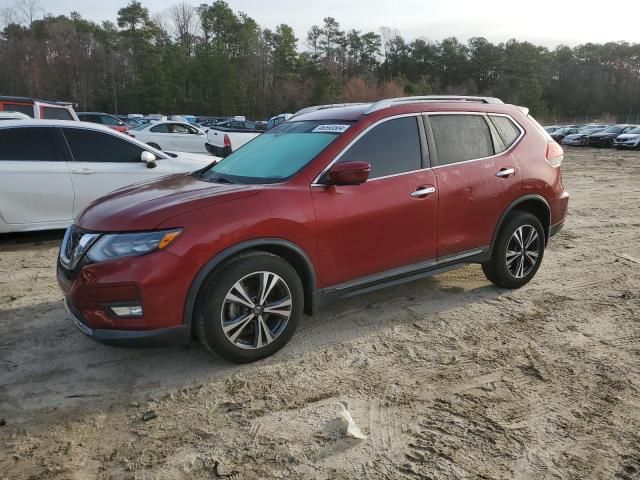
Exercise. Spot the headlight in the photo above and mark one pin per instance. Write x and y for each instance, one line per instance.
(117, 245)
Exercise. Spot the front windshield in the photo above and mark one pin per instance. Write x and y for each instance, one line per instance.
(635, 131)
(277, 154)
(562, 131)
(613, 130)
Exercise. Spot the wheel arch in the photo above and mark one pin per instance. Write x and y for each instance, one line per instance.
(289, 251)
(534, 204)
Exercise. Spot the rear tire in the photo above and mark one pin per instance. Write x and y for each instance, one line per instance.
(518, 251)
(155, 145)
(250, 307)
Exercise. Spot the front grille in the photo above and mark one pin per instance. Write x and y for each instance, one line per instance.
(75, 244)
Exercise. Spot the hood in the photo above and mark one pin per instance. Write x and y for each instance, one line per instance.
(204, 158)
(576, 135)
(144, 206)
(603, 135)
(190, 162)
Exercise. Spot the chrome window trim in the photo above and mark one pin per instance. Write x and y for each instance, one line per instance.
(432, 167)
(360, 135)
(522, 133)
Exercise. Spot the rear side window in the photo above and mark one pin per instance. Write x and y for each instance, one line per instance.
(459, 138)
(109, 120)
(507, 130)
(16, 107)
(53, 113)
(30, 144)
(392, 147)
(162, 128)
(89, 118)
(92, 146)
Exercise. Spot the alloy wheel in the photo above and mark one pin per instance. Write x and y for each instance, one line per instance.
(523, 251)
(256, 310)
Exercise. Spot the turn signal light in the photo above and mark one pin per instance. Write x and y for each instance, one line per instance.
(168, 238)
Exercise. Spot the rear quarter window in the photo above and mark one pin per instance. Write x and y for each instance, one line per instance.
(55, 113)
(507, 130)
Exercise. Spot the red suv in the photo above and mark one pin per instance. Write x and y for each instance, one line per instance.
(338, 200)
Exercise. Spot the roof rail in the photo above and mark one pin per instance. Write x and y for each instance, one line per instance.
(325, 107)
(430, 98)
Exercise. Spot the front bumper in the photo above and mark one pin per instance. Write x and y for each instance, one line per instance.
(601, 142)
(179, 335)
(158, 282)
(630, 146)
(578, 142)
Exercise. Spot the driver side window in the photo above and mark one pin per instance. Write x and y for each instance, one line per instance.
(177, 128)
(391, 148)
(94, 146)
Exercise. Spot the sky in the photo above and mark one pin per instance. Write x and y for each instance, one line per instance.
(543, 22)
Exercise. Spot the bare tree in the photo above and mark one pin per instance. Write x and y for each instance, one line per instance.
(8, 16)
(28, 10)
(185, 20)
(163, 23)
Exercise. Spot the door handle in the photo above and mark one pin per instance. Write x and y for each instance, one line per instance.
(505, 172)
(423, 192)
(84, 171)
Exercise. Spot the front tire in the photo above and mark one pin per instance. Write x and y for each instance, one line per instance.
(518, 251)
(250, 308)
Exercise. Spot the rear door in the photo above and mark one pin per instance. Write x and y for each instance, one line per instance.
(35, 183)
(477, 177)
(384, 223)
(104, 162)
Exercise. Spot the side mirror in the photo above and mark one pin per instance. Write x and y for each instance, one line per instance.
(148, 158)
(349, 173)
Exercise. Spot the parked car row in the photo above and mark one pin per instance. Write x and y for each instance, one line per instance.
(622, 136)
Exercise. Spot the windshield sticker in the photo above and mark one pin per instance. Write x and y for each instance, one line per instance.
(333, 128)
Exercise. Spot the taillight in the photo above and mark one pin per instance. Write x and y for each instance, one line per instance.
(227, 141)
(555, 154)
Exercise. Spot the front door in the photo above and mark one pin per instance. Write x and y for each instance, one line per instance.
(477, 177)
(387, 222)
(104, 162)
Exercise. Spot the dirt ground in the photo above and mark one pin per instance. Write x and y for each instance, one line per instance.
(450, 377)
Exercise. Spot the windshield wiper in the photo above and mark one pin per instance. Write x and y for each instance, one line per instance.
(217, 178)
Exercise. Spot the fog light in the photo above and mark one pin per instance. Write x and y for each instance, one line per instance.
(127, 311)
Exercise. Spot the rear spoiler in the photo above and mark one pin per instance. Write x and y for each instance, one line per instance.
(524, 110)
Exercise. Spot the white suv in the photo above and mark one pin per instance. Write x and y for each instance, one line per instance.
(51, 169)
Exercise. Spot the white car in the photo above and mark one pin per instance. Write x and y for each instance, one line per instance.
(629, 140)
(50, 170)
(168, 135)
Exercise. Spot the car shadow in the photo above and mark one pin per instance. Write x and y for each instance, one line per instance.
(10, 242)
(46, 363)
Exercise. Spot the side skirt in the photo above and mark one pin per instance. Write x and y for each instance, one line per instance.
(404, 274)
